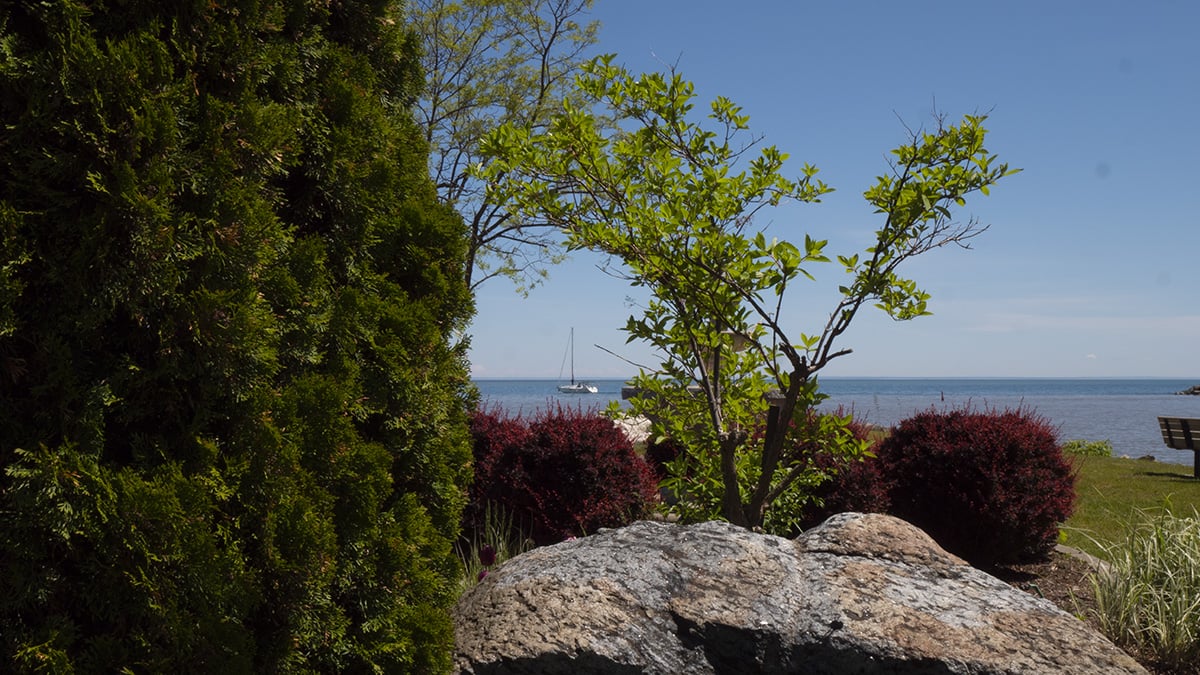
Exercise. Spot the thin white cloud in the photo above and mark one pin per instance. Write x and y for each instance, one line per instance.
(1013, 322)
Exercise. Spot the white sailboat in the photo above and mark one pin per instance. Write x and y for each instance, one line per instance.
(574, 387)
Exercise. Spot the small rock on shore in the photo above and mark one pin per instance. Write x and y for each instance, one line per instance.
(637, 429)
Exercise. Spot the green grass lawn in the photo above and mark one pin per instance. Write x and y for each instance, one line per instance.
(1112, 492)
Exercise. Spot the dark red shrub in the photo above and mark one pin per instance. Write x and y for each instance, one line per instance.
(991, 487)
(492, 432)
(565, 473)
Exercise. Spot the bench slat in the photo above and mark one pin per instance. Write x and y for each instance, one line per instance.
(1180, 433)
(1183, 433)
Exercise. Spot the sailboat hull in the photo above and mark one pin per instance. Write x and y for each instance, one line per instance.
(578, 388)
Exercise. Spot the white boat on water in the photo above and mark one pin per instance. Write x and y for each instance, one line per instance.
(574, 387)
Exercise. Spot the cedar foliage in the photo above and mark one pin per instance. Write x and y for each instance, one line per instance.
(232, 412)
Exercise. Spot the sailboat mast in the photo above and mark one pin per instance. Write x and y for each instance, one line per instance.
(574, 387)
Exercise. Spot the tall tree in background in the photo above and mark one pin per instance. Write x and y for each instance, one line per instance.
(232, 424)
(489, 63)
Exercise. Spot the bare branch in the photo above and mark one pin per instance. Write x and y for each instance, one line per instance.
(489, 64)
(639, 366)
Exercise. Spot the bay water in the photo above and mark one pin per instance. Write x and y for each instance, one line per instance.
(1122, 411)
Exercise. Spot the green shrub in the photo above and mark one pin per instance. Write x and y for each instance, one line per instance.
(1148, 594)
(1081, 448)
(991, 487)
(817, 446)
(659, 454)
(854, 484)
(232, 412)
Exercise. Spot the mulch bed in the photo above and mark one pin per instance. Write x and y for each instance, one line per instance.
(1061, 579)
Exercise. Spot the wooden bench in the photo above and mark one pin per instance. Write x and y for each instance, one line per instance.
(1182, 433)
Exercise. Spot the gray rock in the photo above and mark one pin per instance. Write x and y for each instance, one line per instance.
(859, 594)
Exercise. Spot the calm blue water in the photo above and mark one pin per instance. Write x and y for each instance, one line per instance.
(1123, 411)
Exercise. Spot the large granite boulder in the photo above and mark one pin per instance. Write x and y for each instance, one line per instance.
(859, 594)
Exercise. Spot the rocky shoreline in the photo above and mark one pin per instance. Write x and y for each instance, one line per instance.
(1190, 391)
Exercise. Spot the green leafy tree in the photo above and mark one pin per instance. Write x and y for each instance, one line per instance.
(674, 201)
(490, 63)
(232, 424)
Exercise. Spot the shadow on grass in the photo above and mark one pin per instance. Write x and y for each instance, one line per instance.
(1177, 477)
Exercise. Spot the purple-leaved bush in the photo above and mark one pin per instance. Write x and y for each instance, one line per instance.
(562, 473)
(991, 487)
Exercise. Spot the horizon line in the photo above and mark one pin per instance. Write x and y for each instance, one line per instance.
(547, 378)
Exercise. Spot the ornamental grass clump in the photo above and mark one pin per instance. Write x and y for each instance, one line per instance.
(496, 538)
(1148, 595)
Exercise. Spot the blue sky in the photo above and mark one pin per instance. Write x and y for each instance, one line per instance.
(1091, 267)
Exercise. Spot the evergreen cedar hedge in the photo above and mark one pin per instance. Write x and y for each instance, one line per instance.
(563, 473)
(233, 429)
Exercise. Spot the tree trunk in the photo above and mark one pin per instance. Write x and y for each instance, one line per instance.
(731, 500)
